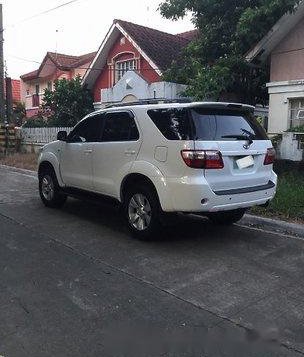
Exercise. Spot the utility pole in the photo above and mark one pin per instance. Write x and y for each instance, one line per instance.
(9, 98)
(2, 101)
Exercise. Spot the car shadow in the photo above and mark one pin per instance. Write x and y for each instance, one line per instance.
(180, 228)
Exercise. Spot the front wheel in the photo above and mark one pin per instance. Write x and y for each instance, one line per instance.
(227, 217)
(49, 190)
(142, 212)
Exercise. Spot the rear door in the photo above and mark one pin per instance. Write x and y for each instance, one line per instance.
(76, 153)
(242, 143)
(114, 155)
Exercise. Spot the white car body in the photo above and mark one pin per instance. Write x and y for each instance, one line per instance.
(102, 167)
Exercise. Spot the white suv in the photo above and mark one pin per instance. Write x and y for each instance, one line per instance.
(212, 159)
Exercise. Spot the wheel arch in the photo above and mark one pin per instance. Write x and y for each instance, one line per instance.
(154, 182)
(50, 164)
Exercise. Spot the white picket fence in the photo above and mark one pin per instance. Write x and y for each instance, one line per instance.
(40, 135)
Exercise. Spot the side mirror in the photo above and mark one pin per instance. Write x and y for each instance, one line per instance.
(62, 135)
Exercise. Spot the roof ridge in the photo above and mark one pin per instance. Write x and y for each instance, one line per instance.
(146, 27)
(60, 54)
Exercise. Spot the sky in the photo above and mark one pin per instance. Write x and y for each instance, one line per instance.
(74, 29)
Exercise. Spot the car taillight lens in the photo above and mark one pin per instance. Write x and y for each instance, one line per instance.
(203, 159)
(270, 156)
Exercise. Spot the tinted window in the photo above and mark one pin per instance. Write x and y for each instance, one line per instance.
(89, 130)
(174, 124)
(225, 125)
(120, 127)
(206, 124)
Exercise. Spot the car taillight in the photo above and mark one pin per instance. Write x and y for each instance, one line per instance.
(203, 159)
(270, 156)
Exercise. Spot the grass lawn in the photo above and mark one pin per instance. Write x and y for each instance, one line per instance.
(22, 161)
(289, 201)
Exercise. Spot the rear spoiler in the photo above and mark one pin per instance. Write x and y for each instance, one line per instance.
(234, 106)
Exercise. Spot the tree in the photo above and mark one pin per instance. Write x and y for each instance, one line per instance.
(214, 65)
(19, 113)
(67, 104)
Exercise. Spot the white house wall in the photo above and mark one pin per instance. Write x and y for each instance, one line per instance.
(135, 85)
(279, 95)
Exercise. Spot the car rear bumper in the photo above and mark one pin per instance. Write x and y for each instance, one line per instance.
(191, 195)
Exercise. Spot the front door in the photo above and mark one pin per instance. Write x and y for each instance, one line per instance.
(76, 153)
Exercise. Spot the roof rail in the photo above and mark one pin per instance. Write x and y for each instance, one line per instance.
(149, 101)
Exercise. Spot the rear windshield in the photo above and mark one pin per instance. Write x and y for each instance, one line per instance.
(206, 124)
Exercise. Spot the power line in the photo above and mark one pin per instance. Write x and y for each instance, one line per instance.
(41, 13)
(85, 68)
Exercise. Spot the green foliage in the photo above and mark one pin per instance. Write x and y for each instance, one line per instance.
(276, 140)
(19, 113)
(297, 129)
(67, 104)
(35, 122)
(288, 202)
(214, 65)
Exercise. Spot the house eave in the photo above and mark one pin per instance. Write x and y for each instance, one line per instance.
(102, 53)
(261, 51)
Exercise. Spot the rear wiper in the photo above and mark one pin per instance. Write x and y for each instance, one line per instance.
(239, 137)
(248, 133)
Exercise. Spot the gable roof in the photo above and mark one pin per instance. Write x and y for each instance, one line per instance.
(157, 47)
(61, 61)
(161, 47)
(261, 51)
(16, 90)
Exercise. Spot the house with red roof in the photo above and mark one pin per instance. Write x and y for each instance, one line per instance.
(16, 91)
(130, 63)
(54, 66)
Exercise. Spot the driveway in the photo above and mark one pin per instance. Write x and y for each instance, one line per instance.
(73, 283)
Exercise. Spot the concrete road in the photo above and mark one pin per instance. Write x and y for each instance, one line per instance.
(73, 283)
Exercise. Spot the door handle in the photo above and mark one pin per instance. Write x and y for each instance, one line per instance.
(89, 151)
(130, 152)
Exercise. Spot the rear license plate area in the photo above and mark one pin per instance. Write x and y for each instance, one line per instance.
(244, 162)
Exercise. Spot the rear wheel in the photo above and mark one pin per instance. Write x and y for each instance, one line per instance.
(227, 217)
(49, 189)
(142, 212)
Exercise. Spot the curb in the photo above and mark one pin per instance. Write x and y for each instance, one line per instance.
(249, 220)
(273, 225)
(17, 169)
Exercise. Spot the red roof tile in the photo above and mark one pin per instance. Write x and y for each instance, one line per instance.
(61, 61)
(16, 90)
(189, 35)
(30, 75)
(161, 47)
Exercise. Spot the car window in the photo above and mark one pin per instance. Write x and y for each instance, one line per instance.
(206, 124)
(120, 126)
(225, 124)
(89, 130)
(174, 124)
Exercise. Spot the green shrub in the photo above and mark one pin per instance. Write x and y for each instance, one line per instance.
(296, 129)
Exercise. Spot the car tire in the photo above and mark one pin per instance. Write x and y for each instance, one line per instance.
(49, 189)
(142, 212)
(227, 217)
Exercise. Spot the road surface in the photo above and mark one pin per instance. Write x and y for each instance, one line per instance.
(73, 283)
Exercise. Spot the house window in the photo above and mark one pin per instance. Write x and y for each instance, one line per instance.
(121, 67)
(49, 85)
(296, 112)
(37, 89)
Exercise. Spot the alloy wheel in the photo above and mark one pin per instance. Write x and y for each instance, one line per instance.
(139, 212)
(47, 188)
